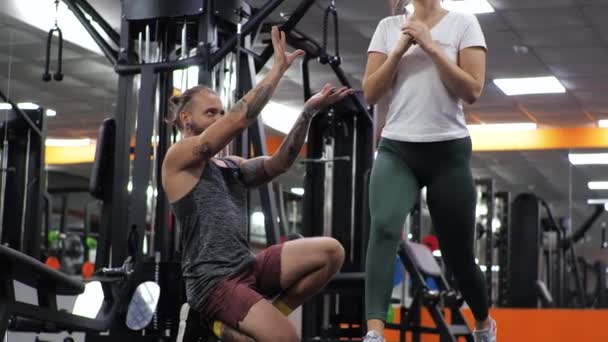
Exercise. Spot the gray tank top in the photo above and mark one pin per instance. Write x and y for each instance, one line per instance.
(213, 222)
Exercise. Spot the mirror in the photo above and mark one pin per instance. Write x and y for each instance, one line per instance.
(143, 305)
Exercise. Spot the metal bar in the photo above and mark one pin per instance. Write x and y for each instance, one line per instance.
(490, 238)
(141, 165)
(306, 77)
(116, 208)
(267, 195)
(248, 28)
(4, 172)
(20, 112)
(110, 54)
(107, 28)
(47, 222)
(26, 188)
(62, 319)
(163, 234)
(132, 69)
(353, 186)
(290, 24)
(207, 40)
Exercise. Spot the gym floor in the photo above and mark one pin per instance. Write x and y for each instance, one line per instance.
(551, 143)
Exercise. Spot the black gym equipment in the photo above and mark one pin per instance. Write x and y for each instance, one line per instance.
(542, 268)
(421, 266)
(172, 36)
(22, 177)
(58, 75)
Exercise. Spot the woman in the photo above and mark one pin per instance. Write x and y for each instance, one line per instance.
(424, 66)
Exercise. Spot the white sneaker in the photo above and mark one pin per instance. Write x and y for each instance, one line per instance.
(486, 335)
(373, 336)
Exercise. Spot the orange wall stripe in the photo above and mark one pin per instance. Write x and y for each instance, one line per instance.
(69, 155)
(86, 154)
(541, 139)
(555, 325)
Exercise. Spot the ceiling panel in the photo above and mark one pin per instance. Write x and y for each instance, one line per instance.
(560, 37)
(545, 18)
(507, 56)
(588, 54)
(492, 22)
(10, 36)
(597, 15)
(585, 83)
(525, 4)
(501, 39)
(578, 69)
(590, 95)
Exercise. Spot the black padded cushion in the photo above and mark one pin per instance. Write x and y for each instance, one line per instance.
(101, 175)
(27, 270)
(422, 257)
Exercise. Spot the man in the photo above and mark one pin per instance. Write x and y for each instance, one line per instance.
(224, 281)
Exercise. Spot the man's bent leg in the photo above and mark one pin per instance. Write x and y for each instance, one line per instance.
(301, 269)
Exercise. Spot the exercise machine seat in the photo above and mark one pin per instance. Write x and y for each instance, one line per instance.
(422, 258)
(32, 272)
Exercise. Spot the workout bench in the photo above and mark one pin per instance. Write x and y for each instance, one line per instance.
(420, 264)
(44, 317)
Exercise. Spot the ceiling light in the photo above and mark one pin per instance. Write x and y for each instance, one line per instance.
(51, 112)
(22, 105)
(510, 127)
(464, 6)
(297, 191)
(67, 142)
(530, 85)
(597, 201)
(588, 158)
(280, 117)
(603, 123)
(598, 185)
(28, 106)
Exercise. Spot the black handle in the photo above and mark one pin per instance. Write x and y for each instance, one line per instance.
(58, 76)
(331, 11)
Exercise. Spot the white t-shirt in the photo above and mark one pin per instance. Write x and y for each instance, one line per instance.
(421, 109)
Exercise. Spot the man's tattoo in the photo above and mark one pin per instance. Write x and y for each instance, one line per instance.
(240, 107)
(254, 172)
(260, 99)
(295, 139)
(203, 151)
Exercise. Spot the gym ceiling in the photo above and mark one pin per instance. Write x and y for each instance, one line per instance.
(567, 39)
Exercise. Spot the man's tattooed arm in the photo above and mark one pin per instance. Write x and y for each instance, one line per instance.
(239, 117)
(258, 171)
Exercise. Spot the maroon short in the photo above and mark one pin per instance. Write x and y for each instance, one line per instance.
(231, 299)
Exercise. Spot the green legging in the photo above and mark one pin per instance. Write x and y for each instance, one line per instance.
(399, 171)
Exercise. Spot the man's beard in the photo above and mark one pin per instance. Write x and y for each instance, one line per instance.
(195, 130)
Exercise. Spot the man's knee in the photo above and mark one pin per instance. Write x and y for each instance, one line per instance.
(336, 253)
